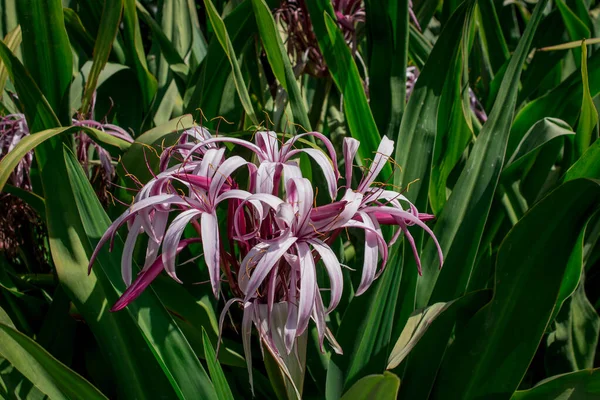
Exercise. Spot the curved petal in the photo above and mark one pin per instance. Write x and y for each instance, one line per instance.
(334, 270)
(350, 149)
(408, 217)
(326, 166)
(268, 143)
(308, 286)
(384, 151)
(210, 244)
(173, 237)
(222, 174)
(272, 254)
(265, 177)
(127, 255)
(130, 213)
(371, 256)
(300, 195)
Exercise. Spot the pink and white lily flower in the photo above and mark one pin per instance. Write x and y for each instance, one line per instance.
(276, 233)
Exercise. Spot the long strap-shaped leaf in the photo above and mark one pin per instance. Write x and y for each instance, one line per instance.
(466, 211)
(12, 41)
(135, 53)
(47, 52)
(49, 375)
(344, 72)
(162, 336)
(109, 26)
(225, 41)
(497, 345)
(29, 143)
(279, 60)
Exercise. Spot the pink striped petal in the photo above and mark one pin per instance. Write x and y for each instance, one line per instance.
(350, 149)
(308, 286)
(173, 237)
(126, 257)
(210, 244)
(274, 252)
(334, 270)
(384, 151)
(326, 166)
(222, 174)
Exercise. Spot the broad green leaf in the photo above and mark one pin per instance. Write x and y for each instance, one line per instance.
(454, 128)
(490, 30)
(280, 62)
(413, 331)
(37, 110)
(135, 53)
(583, 384)
(225, 41)
(380, 387)
(48, 374)
(541, 134)
(12, 40)
(467, 208)
(171, 56)
(575, 27)
(571, 344)
(499, 342)
(344, 72)
(216, 373)
(47, 52)
(588, 118)
(168, 345)
(77, 32)
(437, 317)
(147, 147)
(421, 365)
(109, 26)
(387, 41)
(588, 166)
(28, 143)
(211, 77)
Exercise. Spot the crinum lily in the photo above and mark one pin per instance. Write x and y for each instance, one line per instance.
(276, 232)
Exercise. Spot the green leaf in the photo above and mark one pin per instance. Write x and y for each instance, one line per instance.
(225, 41)
(466, 210)
(162, 336)
(12, 40)
(212, 76)
(380, 387)
(28, 143)
(280, 62)
(499, 342)
(575, 27)
(171, 56)
(109, 26)
(571, 344)
(77, 32)
(588, 166)
(37, 110)
(48, 374)
(494, 44)
(135, 53)
(583, 384)
(345, 74)
(147, 146)
(421, 321)
(588, 118)
(387, 41)
(541, 134)
(216, 373)
(421, 366)
(47, 52)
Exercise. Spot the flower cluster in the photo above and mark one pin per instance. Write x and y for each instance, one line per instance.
(274, 235)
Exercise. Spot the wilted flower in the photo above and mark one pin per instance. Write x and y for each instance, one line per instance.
(13, 128)
(276, 232)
